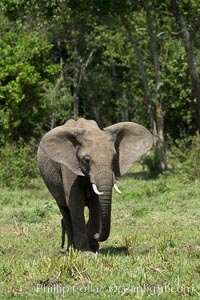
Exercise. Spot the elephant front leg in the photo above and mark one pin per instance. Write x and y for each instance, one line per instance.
(81, 240)
(76, 207)
(93, 222)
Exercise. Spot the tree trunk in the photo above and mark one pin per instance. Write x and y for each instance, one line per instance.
(79, 74)
(76, 103)
(76, 93)
(54, 94)
(120, 95)
(125, 112)
(95, 110)
(142, 72)
(189, 53)
(160, 146)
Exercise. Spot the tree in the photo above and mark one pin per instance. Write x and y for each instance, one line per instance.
(160, 145)
(189, 54)
(25, 71)
(97, 59)
(143, 74)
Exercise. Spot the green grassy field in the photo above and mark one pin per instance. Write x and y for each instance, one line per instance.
(153, 251)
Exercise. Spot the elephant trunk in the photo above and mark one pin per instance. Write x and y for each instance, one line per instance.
(104, 212)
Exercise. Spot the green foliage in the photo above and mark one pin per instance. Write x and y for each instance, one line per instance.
(33, 215)
(25, 72)
(17, 165)
(151, 162)
(62, 59)
(184, 158)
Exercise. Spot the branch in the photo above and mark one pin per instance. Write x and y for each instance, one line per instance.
(85, 65)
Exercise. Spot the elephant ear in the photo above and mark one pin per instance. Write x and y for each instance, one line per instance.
(132, 141)
(60, 144)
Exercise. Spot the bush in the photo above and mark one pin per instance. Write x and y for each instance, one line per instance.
(17, 165)
(184, 158)
(152, 163)
(34, 215)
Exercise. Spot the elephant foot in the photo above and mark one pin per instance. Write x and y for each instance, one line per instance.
(94, 245)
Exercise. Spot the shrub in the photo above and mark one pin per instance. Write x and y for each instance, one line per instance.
(34, 215)
(184, 157)
(17, 165)
(152, 163)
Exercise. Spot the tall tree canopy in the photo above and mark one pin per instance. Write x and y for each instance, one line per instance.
(106, 60)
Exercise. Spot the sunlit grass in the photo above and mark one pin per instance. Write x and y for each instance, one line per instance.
(153, 251)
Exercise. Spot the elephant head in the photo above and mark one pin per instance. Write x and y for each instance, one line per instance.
(100, 155)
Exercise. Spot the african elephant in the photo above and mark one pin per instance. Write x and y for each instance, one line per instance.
(79, 163)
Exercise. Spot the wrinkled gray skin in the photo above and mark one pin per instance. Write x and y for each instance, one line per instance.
(74, 156)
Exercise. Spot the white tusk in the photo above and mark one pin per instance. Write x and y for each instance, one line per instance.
(96, 190)
(116, 188)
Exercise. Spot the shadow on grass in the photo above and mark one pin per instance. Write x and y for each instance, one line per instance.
(114, 251)
(125, 251)
(142, 175)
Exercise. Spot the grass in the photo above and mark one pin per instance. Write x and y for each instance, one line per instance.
(153, 251)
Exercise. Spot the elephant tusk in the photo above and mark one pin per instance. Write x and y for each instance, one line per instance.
(117, 189)
(96, 190)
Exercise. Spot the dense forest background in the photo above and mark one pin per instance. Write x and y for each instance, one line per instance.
(106, 60)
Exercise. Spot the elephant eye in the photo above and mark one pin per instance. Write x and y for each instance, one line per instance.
(86, 159)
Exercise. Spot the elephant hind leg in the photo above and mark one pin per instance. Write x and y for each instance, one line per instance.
(66, 227)
(63, 233)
